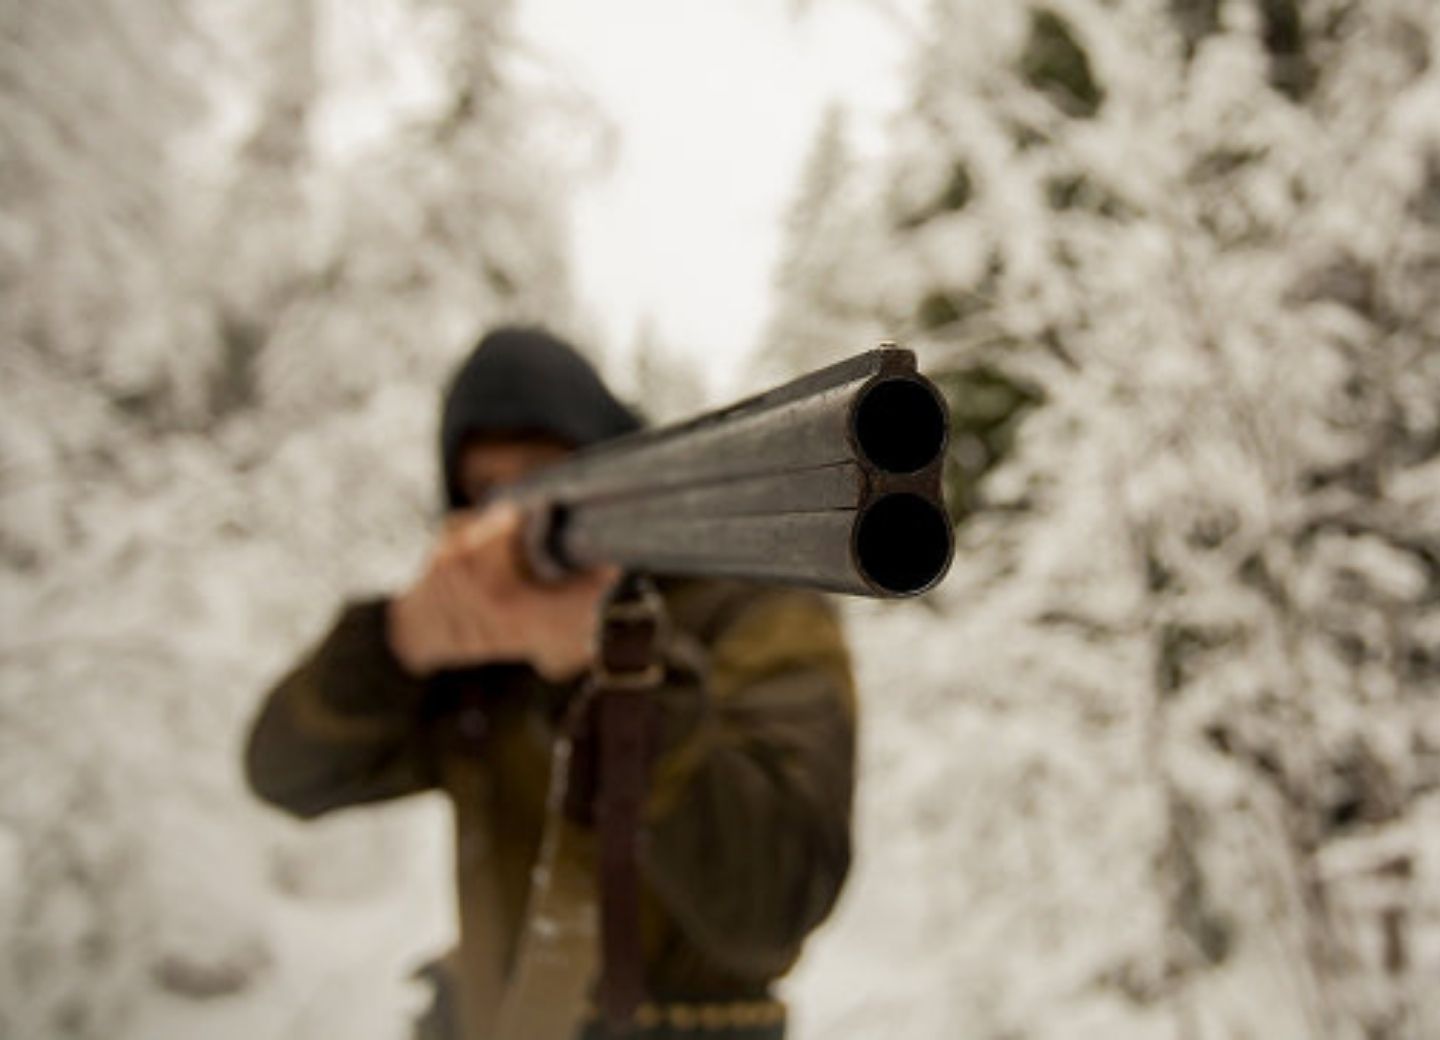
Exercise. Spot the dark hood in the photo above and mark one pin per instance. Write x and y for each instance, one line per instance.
(526, 381)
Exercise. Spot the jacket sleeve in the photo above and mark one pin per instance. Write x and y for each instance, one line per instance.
(343, 727)
(748, 836)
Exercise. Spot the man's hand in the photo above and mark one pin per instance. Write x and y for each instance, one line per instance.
(473, 604)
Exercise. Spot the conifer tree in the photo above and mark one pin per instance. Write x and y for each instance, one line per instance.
(241, 249)
(1173, 266)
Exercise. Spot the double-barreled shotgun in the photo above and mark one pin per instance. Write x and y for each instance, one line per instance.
(831, 481)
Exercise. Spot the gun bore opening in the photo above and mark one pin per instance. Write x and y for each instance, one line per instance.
(902, 544)
(900, 425)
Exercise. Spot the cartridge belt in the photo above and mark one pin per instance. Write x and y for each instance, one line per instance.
(710, 1020)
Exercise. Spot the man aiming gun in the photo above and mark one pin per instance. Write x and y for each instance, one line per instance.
(465, 682)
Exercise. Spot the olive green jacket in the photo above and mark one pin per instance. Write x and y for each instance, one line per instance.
(747, 836)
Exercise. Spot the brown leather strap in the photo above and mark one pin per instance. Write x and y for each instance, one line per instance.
(627, 670)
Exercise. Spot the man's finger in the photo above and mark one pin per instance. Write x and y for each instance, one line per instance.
(500, 521)
(607, 578)
(590, 584)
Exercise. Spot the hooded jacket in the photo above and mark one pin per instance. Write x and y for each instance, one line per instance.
(524, 381)
(746, 839)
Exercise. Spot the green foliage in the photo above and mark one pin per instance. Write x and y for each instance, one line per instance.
(1425, 206)
(943, 308)
(1292, 72)
(986, 406)
(1076, 191)
(234, 382)
(959, 189)
(1193, 907)
(938, 309)
(1054, 62)
(1223, 162)
(1025, 136)
(1178, 652)
(1195, 20)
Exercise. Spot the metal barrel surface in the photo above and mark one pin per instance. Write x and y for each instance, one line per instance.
(831, 481)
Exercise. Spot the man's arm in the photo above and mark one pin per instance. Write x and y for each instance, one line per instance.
(342, 728)
(346, 726)
(748, 836)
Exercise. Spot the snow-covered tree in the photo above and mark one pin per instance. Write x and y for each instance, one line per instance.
(814, 322)
(663, 385)
(1175, 266)
(241, 245)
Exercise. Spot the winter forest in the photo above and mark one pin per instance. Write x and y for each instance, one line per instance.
(1160, 759)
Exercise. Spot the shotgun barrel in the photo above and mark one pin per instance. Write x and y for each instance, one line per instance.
(831, 481)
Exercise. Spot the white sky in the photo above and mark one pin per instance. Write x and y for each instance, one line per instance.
(716, 103)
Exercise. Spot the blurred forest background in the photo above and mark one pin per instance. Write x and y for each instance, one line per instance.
(1162, 757)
